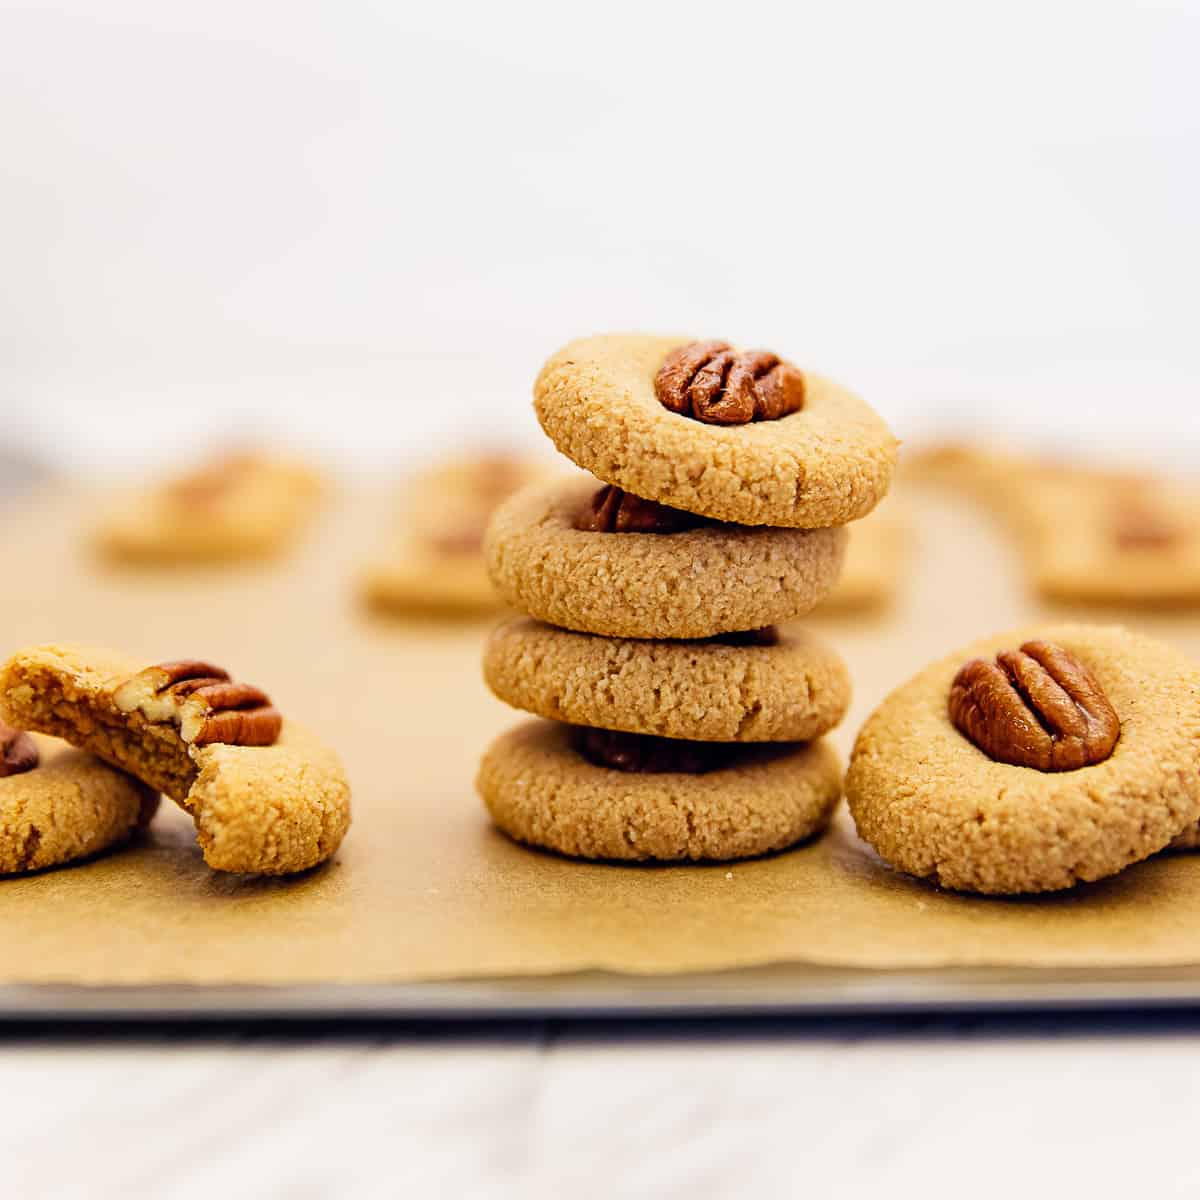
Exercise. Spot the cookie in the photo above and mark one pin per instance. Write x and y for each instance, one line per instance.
(875, 565)
(824, 464)
(765, 687)
(415, 582)
(435, 565)
(1089, 534)
(940, 781)
(540, 790)
(692, 584)
(59, 805)
(237, 506)
(1111, 539)
(266, 796)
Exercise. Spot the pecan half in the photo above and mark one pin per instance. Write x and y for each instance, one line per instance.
(1035, 707)
(716, 384)
(646, 754)
(611, 510)
(18, 753)
(205, 704)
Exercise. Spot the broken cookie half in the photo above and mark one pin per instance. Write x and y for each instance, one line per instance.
(266, 796)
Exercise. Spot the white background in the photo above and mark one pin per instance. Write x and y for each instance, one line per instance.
(364, 225)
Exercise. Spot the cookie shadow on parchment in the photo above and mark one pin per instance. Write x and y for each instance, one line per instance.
(107, 854)
(172, 841)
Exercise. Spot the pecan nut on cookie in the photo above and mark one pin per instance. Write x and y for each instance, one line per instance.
(740, 436)
(1032, 761)
(58, 805)
(266, 796)
(596, 794)
(565, 552)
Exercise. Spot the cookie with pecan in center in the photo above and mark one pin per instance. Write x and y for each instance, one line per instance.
(1032, 761)
(742, 436)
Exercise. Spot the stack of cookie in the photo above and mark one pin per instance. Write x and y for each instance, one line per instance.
(681, 723)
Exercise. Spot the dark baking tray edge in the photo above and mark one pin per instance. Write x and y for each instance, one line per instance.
(768, 991)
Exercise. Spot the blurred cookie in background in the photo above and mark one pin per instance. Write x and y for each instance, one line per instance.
(877, 562)
(1089, 533)
(435, 565)
(1113, 538)
(237, 505)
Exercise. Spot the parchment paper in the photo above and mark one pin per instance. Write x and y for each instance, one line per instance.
(424, 888)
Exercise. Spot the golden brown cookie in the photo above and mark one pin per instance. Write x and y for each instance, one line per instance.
(236, 506)
(826, 464)
(694, 584)
(763, 687)
(58, 805)
(935, 804)
(540, 790)
(267, 797)
(435, 565)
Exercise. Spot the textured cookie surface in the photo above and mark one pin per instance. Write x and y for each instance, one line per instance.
(258, 809)
(695, 584)
(827, 464)
(540, 791)
(710, 691)
(70, 806)
(934, 805)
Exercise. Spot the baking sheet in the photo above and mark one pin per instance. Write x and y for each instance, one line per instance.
(425, 890)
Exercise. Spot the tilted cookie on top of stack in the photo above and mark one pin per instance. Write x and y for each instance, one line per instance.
(681, 723)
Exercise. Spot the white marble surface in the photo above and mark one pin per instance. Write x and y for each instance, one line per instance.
(1022, 1106)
